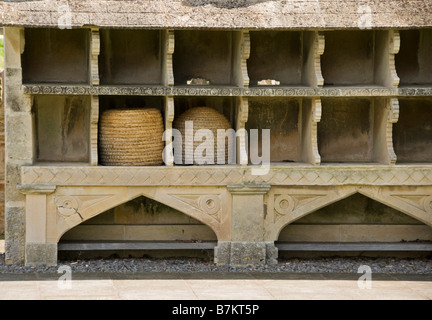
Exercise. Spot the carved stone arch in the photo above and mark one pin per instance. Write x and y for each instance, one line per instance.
(286, 205)
(72, 206)
(415, 202)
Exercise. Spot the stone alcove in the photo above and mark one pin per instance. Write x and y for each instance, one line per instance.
(140, 220)
(353, 225)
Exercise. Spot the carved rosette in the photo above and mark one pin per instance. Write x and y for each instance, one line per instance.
(283, 205)
(210, 204)
(291, 204)
(427, 204)
(67, 207)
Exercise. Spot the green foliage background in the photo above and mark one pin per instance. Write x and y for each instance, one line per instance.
(1, 54)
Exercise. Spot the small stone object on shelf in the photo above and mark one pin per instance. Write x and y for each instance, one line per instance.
(269, 82)
(198, 82)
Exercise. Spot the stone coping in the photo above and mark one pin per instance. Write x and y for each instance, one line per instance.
(227, 91)
(250, 14)
(289, 175)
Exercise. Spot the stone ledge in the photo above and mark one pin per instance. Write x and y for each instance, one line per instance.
(324, 175)
(252, 14)
(227, 91)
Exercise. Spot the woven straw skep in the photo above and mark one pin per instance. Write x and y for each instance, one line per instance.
(131, 137)
(202, 118)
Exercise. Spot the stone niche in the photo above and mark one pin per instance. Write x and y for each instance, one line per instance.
(414, 63)
(206, 55)
(352, 58)
(349, 130)
(56, 56)
(131, 57)
(283, 118)
(62, 128)
(412, 134)
(276, 55)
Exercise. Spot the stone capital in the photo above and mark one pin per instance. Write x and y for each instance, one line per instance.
(36, 189)
(242, 189)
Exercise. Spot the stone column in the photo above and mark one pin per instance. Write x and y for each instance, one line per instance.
(37, 249)
(247, 245)
(19, 144)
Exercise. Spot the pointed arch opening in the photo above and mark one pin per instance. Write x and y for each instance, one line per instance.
(355, 222)
(139, 227)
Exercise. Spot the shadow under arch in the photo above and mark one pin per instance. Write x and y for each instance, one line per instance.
(101, 201)
(382, 195)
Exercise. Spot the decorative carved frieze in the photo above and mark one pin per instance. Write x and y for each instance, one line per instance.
(227, 91)
(227, 175)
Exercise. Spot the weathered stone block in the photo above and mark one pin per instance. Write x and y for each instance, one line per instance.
(248, 253)
(271, 253)
(15, 234)
(222, 253)
(41, 254)
(245, 253)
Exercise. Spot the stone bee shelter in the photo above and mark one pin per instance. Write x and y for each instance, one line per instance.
(347, 95)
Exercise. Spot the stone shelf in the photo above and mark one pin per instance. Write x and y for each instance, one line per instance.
(282, 175)
(273, 91)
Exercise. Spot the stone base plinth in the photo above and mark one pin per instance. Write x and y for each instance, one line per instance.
(37, 254)
(245, 253)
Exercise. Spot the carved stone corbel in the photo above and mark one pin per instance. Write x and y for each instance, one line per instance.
(386, 114)
(314, 46)
(242, 117)
(94, 121)
(94, 56)
(168, 74)
(169, 118)
(311, 116)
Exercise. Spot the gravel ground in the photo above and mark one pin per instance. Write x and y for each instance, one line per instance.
(316, 265)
